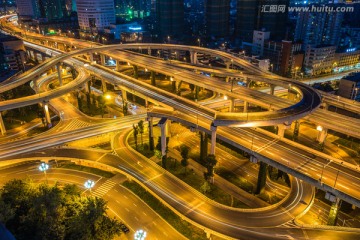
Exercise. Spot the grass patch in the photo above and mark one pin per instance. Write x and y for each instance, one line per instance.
(268, 197)
(234, 179)
(185, 228)
(95, 171)
(197, 182)
(144, 150)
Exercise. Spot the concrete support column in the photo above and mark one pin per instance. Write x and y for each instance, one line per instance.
(2, 126)
(193, 57)
(227, 64)
(102, 60)
(136, 71)
(197, 93)
(103, 86)
(59, 70)
(246, 105)
(151, 133)
(261, 177)
(272, 89)
(324, 105)
(232, 104)
(123, 94)
(149, 51)
(91, 57)
(117, 68)
(333, 213)
(162, 124)
(296, 128)
(322, 135)
(213, 139)
(227, 79)
(282, 128)
(177, 86)
(47, 114)
(152, 78)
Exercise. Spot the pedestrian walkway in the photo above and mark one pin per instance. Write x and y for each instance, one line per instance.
(104, 188)
(76, 124)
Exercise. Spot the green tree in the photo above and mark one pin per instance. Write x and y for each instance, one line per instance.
(45, 211)
(210, 164)
(141, 130)
(135, 132)
(184, 151)
(101, 101)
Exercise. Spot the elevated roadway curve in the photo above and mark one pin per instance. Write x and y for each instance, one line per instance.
(199, 112)
(326, 119)
(322, 171)
(310, 99)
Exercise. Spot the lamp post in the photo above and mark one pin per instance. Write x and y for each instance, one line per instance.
(89, 184)
(140, 235)
(168, 38)
(199, 41)
(43, 167)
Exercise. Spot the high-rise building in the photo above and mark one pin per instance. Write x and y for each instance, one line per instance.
(256, 15)
(170, 18)
(52, 9)
(27, 9)
(217, 18)
(95, 14)
(316, 28)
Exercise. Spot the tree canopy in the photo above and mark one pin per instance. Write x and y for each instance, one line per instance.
(42, 211)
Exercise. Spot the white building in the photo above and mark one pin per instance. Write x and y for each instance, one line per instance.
(95, 14)
(259, 38)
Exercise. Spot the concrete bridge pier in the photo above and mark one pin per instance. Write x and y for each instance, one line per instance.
(232, 105)
(59, 70)
(296, 128)
(321, 137)
(117, 68)
(213, 139)
(91, 57)
(102, 59)
(281, 129)
(152, 78)
(177, 86)
(149, 51)
(47, 114)
(228, 64)
(333, 213)
(136, 71)
(261, 177)
(193, 57)
(272, 89)
(123, 94)
(246, 106)
(163, 126)
(151, 133)
(2, 126)
(103, 85)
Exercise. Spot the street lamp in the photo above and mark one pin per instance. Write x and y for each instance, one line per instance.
(89, 184)
(140, 235)
(168, 39)
(43, 167)
(199, 41)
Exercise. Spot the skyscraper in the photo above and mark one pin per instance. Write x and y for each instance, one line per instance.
(255, 15)
(27, 9)
(315, 28)
(170, 18)
(217, 17)
(52, 9)
(95, 14)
